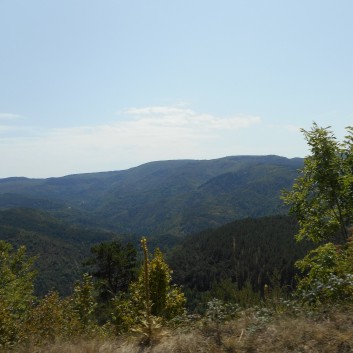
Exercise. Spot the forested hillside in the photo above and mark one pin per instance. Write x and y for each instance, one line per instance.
(250, 252)
(246, 250)
(58, 246)
(161, 198)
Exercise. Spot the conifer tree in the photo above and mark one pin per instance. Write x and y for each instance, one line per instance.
(114, 267)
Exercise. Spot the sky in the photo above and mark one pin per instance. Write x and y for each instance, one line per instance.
(101, 85)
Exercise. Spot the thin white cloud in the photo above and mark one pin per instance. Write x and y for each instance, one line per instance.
(175, 116)
(154, 125)
(139, 135)
(7, 123)
(292, 128)
(287, 127)
(5, 128)
(9, 116)
(157, 110)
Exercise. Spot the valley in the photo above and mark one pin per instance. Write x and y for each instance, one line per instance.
(60, 219)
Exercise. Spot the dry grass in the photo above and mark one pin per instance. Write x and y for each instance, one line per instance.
(77, 346)
(320, 333)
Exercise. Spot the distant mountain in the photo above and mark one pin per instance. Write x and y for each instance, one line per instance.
(161, 198)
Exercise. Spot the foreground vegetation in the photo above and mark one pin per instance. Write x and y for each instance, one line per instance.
(254, 330)
(150, 316)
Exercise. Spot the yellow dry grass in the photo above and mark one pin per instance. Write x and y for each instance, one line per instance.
(327, 332)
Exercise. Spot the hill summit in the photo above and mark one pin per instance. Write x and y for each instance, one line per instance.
(162, 198)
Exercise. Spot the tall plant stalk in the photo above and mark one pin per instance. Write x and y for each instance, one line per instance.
(148, 303)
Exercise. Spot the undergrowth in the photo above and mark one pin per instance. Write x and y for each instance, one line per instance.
(256, 330)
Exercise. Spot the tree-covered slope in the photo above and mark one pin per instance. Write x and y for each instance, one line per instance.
(256, 250)
(161, 198)
(59, 247)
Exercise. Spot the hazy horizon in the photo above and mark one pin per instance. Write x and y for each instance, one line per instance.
(92, 86)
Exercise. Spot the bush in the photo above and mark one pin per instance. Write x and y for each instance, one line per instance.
(16, 293)
(328, 275)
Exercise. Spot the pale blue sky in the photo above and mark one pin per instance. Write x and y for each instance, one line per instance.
(100, 85)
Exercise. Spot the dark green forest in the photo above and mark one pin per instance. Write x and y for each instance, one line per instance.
(249, 250)
(248, 253)
(59, 248)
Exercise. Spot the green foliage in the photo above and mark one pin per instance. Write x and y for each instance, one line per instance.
(58, 246)
(114, 266)
(166, 299)
(230, 292)
(150, 299)
(16, 292)
(235, 262)
(124, 315)
(328, 275)
(218, 312)
(322, 195)
(322, 200)
(84, 303)
(51, 318)
(23, 318)
(147, 323)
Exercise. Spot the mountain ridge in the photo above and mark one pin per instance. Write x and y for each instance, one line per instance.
(173, 197)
